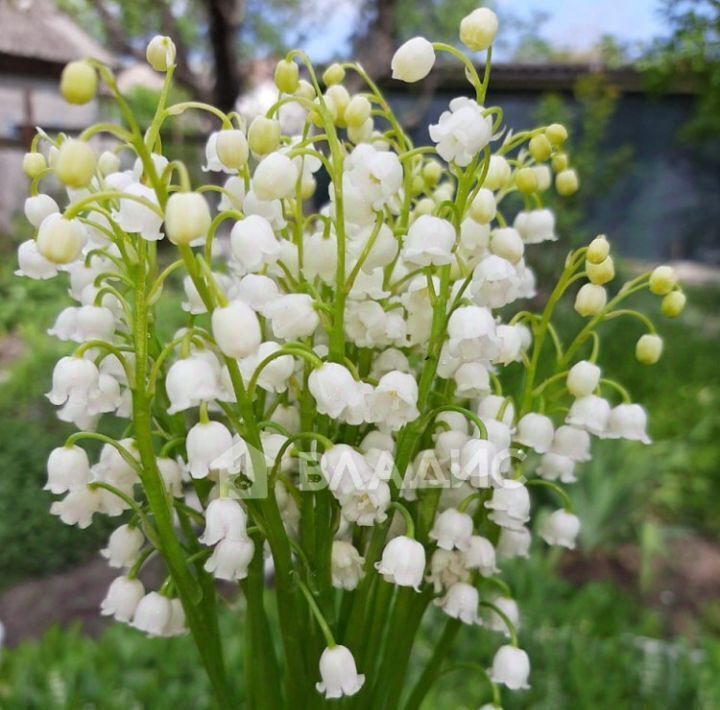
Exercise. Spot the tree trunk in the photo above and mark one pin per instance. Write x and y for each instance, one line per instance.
(376, 47)
(224, 19)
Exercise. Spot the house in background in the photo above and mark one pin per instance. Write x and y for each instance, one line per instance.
(36, 41)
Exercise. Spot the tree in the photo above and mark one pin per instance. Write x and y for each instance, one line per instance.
(691, 53)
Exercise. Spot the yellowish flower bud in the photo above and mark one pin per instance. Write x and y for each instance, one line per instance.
(60, 240)
(187, 217)
(560, 162)
(232, 148)
(287, 76)
(308, 185)
(432, 172)
(540, 148)
(357, 111)
(424, 206)
(108, 162)
(601, 273)
(417, 185)
(264, 135)
(483, 208)
(649, 349)
(160, 53)
(567, 183)
(543, 177)
(663, 280)
(305, 90)
(673, 304)
(526, 180)
(339, 96)
(75, 163)
(360, 134)
(590, 300)
(557, 133)
(316, 115)
(78, 83)
(478, 29)
(499, 172)
(598, 249)
(334, 74)
(33, 164)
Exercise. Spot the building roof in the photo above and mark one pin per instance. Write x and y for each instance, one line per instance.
(36, 38)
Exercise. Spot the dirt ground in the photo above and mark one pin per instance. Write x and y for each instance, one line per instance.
(684, 584)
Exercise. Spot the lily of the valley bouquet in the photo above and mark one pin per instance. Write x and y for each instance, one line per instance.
(352, 418)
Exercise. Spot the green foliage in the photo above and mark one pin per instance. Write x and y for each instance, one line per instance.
(690, 54)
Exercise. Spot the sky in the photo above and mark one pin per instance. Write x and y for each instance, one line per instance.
(572, 24)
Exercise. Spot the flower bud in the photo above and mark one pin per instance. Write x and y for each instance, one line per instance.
(483, 207)
(305, 90)
(673, 304)
(339, 97)
(432, 172)
(60, 240)
(160, 53)
(264, 135)
(499, 172)
(75, 163)
(334, 74)
(566, 182)
(413, 60)
(583, 378)
(507, 243)
(275, 177)
(590, 300)
(663, 280)
(649, 349)
(601, 273)
(187, 217)
(478, 29)
(526, 180)
(357, 111)
(540, 148)
(232, 148)
(236, 329)
(78, 82)
(560, 162)
(287, 76)
(38, 207)
(108, 163)
(556, 133)
(33, 164)
(598, 250)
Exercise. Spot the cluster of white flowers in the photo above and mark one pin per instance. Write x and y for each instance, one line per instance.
(347, 361)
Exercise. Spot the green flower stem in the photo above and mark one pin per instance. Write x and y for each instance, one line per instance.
(409, 524)
(77, 207)
(433, 669)
(564, 497)
(477, 668)
(506, 620)
(315, 609)
(627, 399)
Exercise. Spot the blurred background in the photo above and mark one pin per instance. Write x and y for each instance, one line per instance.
(630, 619)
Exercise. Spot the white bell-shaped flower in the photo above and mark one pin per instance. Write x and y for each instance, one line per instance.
(253, 244)
(514, 543)
(123, 546)
(472, 379)
(413, 60)
(572, 442)
(74, 380)
(93, 323)
(628, 421)
(32, 264)
(191, 381)
(556, 467)
(536, 226)
(495, 282)
(560, 528)
(225, 519)
(347, 565)
(293, 316)
(171, 471)
(480, 463)
(236, 329)
(590, 413)
(511, 667)
(495, 621)
(447, 568)
(39, 206)
(535, 431)
(375, 174)
(338, 673)
(275, 177)
(462, 131)
(207, 444)
(452, 530)
(137, 218)
(480, 555)
(403, 562)
(335, 390)
(122, 599)
(78, 506)
(345, 470)
(583, 378)
(67, 468)
(393, 403)
(509, 505)
(511, 344)
(429, 241)
(153, 614)
(230, 559)
(257, 291)
(461, 602)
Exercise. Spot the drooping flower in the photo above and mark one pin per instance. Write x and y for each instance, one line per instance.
(338, 673)
(462, 131)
